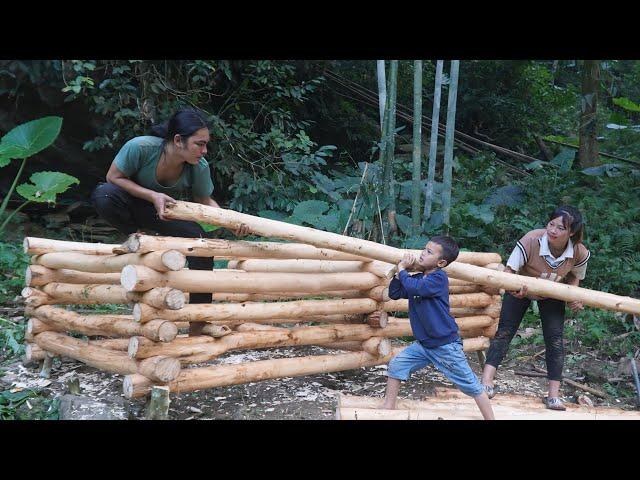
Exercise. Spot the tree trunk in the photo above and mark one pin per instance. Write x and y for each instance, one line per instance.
(417, 146)
(389, 180)
(433, 147)
(447, 172)
(588, 150)
(382, 90)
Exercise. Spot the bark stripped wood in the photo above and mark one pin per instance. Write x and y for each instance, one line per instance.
(378, 319)
(206, 247)
(135, 386)
(544, 288)
(376, 293)
(216, 330)
(139, 278)
(37, 276)
(474, 300)
(380, 269)
(33, 353)
(161, 261)
(39, 246)
(106, 325)
(155, 369)
(206, 312)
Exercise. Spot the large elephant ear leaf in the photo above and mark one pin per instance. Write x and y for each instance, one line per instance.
(45, 186)
(29, 138)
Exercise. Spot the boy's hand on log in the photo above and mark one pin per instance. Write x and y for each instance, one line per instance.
(160, 200)
(407, 262)
(575, 306)
(242, 231)
(521, 293)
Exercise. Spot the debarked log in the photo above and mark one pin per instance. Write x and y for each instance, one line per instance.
(544, 288)
(161, 261)
(37, 276)
(380, 269)
(156, 369)
(69, 293)
(207, 247)
(135, 386)
(105, 325)
(240, 312)
(474, 300)
(139, 278)
(38, 246)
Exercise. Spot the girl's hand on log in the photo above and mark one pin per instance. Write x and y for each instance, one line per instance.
(160, 200)
(575, 306)
(521, 293)
(242, 231)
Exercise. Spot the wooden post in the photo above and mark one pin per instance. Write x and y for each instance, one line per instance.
(158, 408)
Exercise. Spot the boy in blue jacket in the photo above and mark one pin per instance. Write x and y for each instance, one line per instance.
(436, 333)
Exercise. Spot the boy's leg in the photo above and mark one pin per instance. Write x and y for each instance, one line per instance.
(400, 369)
(513, 310)
(451, 361)
(391, 395)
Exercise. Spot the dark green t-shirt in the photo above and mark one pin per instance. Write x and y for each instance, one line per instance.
(138, 160)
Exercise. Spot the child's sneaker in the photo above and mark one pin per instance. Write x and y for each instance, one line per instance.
(554, 403)
(491, 392)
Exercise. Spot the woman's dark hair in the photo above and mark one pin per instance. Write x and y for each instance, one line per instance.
(184, 122)
(571, 219)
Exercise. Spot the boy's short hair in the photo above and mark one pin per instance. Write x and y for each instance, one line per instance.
(450, 249)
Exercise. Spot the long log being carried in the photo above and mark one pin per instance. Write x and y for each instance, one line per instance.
(273, 228)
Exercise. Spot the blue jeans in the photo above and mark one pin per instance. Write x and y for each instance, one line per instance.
(449, 359)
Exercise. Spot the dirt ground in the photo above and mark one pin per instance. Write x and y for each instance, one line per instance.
(310, 397)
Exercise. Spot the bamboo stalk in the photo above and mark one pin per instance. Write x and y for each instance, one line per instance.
(139, 278)
(255, 311)
(39, 246)
(161, 261)
(154, 369)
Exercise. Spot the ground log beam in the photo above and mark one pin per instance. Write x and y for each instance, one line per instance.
(466, 300)
(157, 369)
(38, 276)
(161, 261)
(135, 386)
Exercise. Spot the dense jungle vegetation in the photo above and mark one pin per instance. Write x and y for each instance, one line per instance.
(300, 141)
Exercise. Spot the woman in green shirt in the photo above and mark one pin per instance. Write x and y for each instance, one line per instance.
(149, 172)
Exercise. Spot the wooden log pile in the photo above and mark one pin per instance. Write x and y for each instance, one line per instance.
(270, 295)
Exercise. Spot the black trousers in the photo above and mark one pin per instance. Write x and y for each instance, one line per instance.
(130, 214)
(552, 315)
